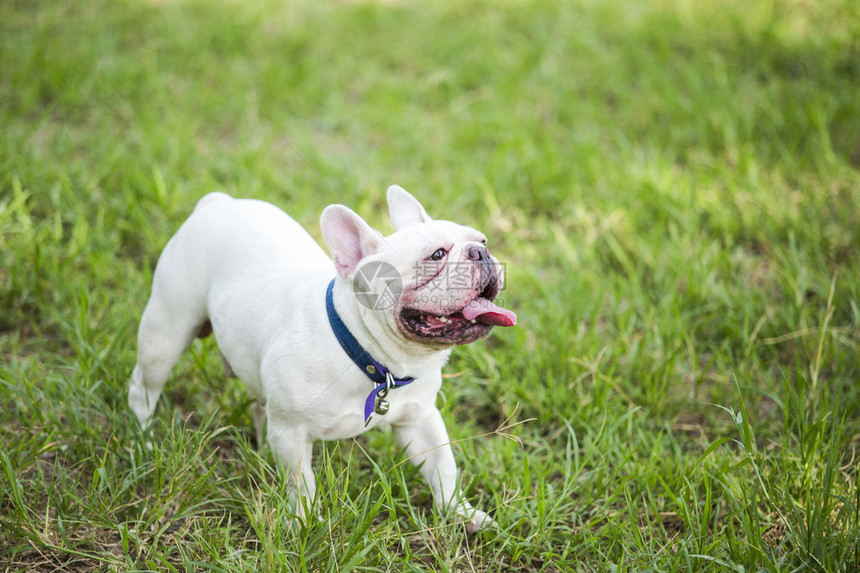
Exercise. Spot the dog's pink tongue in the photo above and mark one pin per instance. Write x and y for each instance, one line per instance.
(485, 312)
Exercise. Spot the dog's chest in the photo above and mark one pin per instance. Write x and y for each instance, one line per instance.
(348, 419)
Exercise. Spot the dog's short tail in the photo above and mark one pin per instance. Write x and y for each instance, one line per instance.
(210, 198)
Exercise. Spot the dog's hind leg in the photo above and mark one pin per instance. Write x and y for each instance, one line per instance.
(258, 415)
(165, 332)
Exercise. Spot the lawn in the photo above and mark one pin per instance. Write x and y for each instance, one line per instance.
(673, 187)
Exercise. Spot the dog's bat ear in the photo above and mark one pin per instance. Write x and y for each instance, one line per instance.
(405, 209)
(348, 238)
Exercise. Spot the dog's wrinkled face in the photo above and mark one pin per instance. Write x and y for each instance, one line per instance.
(448, 293)
(431, 281)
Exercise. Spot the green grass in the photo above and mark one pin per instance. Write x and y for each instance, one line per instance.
(673, 186)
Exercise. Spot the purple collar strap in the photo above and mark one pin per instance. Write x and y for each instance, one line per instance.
(378, 374)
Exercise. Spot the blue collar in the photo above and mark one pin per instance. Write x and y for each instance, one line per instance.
(378, 374)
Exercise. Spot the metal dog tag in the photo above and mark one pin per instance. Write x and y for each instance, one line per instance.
(381, 407)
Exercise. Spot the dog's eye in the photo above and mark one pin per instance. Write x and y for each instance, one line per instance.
(438, 255)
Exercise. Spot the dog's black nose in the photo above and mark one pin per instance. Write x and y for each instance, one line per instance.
(479, 253)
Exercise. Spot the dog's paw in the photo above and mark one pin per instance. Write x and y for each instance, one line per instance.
(476, 520)
(480, 521)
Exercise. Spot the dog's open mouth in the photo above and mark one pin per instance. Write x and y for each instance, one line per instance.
(473, 321)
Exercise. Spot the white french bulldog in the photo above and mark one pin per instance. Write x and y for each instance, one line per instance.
(325, 358)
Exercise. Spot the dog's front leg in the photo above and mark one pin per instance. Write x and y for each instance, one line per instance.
(426, 441)
(295, 449)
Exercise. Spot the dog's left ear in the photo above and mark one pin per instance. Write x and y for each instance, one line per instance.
(405, 209)
(348, 238)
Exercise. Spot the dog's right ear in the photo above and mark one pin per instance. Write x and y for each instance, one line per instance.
(348, 238)
(405, 209)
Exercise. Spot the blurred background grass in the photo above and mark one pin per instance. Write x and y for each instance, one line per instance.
(672, 185)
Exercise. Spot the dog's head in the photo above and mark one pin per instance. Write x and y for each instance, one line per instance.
(432, 281)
